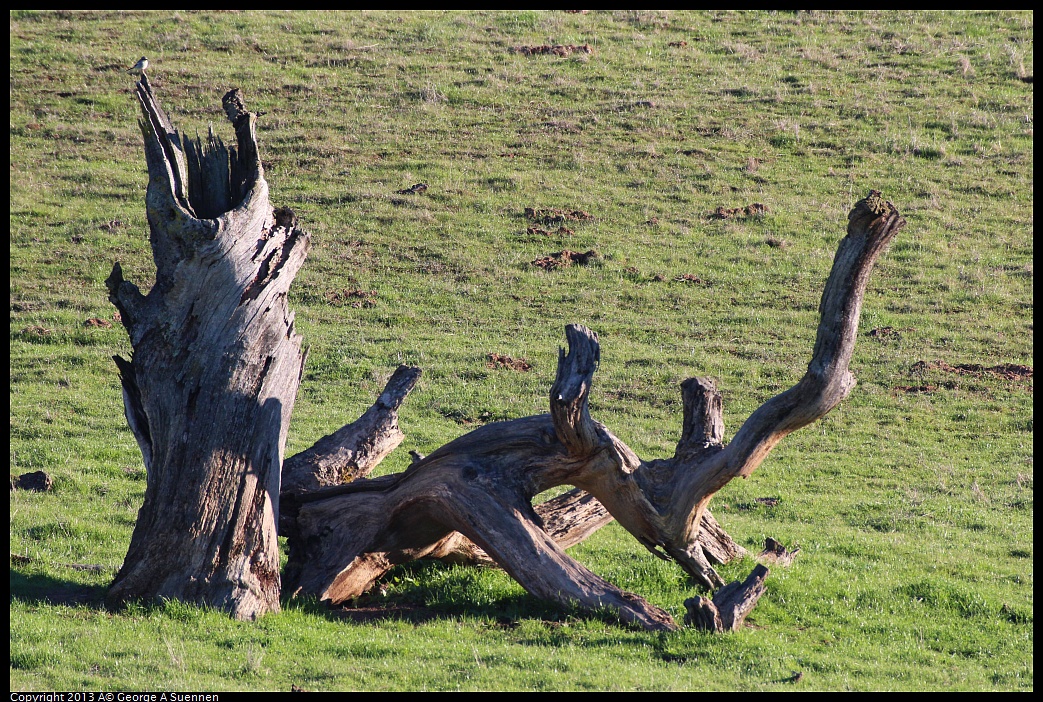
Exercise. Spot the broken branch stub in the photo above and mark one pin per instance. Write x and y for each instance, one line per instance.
(355, 449)
(210, 388)
(730, 606)
(215, 369)
(482, 484)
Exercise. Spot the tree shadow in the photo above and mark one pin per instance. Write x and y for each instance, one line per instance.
(406, 593)
(423, 591)
(44, 589)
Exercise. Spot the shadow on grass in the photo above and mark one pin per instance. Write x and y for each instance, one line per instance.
(418, 592)
(423, 591)
(43, 589)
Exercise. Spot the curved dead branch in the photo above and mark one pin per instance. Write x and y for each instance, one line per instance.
(355, 449)
(482, 484)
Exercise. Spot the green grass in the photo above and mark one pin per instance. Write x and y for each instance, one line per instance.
(912, 502)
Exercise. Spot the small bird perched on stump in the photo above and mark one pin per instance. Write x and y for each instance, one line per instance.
(140, 66)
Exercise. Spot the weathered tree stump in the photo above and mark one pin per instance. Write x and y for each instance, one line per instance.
(211, 384)
(216, 366)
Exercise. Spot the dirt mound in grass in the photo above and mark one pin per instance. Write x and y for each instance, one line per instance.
(755, 209)
(1012, 372)
(1007, 371)
(889, 333)
(564, 259)
(553, 215)
(562, 50)
(351, 298)
(499, 360)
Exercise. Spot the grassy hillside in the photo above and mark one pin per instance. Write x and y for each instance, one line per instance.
(912, 502)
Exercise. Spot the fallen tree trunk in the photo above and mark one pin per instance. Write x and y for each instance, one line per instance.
(210, 388)
(481, 485)
(355, 449)
(211, 384)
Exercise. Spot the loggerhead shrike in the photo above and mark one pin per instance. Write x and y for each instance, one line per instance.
(140, 66)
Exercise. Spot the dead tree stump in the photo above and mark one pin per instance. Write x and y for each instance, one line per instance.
(211, 384)
(730, 605)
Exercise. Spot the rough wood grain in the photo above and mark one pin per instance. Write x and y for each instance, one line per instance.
(215, 369)
(482, 484)
(355, 449)
(211, 385)
(730, 606)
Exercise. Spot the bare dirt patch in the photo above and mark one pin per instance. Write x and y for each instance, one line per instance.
(499, 360)
(550, 216)
(356, 299)
(566, 258)
(1007, 371)
(562, 50)
(1012, 372)
(915, 389)
(888, 333)
(690, 278)
(560, 231)
(755, 209)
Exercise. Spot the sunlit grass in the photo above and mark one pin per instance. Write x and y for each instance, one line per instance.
(912, 502)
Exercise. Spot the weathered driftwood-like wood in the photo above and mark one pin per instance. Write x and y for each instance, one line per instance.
(482, 484)
(730, 605)
(215, 370)
(568, 519)
(355, 449)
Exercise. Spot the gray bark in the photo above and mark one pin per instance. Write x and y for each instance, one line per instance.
(210, 388)
(355, 449)
(215, 369)
(730, 606)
